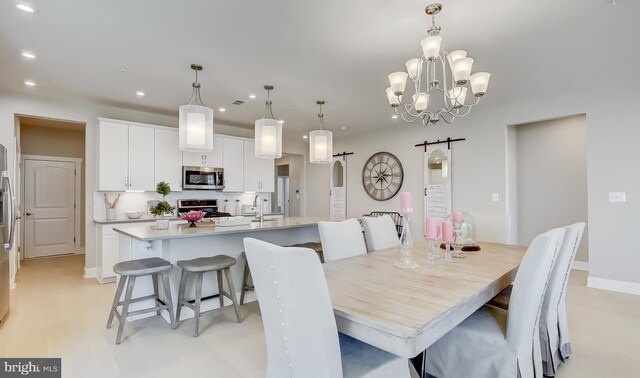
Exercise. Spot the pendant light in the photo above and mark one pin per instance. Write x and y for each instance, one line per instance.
(320, 142)
(196, 121)
(268, 134)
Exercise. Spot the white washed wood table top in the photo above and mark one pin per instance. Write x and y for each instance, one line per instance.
(404, 311)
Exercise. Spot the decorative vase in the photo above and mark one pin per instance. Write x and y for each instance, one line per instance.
(112, 213)
(162, 224)
(406, 243)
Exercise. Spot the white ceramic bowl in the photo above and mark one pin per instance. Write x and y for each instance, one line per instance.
(134, 214)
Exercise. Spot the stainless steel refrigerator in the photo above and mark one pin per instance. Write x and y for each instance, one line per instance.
(7, 231)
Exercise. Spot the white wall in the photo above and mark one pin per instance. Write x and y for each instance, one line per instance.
(480, 167)
(552, 177)
(12, 104)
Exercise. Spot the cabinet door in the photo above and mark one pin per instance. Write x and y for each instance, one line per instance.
(258, 173)
(141, 158)
(113, 156)
(232, 162)
(214, 158)
(168, 159)
(193, 159)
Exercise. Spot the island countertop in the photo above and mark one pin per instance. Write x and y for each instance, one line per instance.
(182, 230)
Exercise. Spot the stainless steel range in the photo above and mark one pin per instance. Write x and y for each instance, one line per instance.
(209, 206)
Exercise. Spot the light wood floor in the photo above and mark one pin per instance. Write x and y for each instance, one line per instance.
(57, 313)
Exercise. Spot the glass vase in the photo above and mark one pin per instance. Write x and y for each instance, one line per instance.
(406, 243)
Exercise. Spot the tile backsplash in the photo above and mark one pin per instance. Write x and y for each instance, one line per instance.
(130, 201)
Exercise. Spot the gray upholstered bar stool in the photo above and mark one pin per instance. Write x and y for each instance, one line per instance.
(200, 266)
(129, 271)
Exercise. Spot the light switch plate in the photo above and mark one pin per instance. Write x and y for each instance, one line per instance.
(617, 197)
(495, 197)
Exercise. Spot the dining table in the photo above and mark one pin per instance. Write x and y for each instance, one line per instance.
(404, 311)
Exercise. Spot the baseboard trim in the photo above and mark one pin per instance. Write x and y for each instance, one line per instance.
(580, 265)
(89, 272)
(614, 285)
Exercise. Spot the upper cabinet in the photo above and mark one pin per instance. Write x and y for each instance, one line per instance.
(125, 155)
(259, 174)
(168, 162)
(232, 162)
(211, 159)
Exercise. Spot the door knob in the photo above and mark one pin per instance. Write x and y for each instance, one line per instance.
(29, 214)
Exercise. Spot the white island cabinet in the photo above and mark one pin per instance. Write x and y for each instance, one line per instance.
(181, 242)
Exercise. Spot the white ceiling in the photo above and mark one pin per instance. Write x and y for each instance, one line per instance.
(336, 50)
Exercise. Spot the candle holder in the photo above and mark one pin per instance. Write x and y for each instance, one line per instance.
(406, 244)
(447, 251)
(458, 241)
(433, 253)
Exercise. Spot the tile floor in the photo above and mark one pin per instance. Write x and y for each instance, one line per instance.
(57, 313)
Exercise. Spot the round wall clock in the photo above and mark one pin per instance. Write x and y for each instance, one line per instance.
(382, 176)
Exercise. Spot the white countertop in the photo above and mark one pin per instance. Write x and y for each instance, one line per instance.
(182, 230)
(128, 220)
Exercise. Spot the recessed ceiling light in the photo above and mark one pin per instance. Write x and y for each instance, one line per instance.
(28, 54)
(26, 8)
(305, 137)
(222, 109)
(395, 116)
(252, 96)
(30, 83)
(343, 127)
(140, 93)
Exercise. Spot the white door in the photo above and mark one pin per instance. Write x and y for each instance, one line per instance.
(168, 161)
(141, 158)
(232, 161)
(113, 156)
(49, 202)
(338, 189)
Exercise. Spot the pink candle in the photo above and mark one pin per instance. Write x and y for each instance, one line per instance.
(431, 228)
(405, 203)
(447, 232)
(457, 216)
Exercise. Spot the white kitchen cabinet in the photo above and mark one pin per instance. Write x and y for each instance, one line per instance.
(168, 159)
(141, 158)
(259, 174)
(125, 157)
(113, 156)
(232, 162)
(205, 159)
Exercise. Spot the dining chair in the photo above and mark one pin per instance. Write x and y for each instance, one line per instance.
(380, 233)
(555, 346)
(496, 343)
(341, 239)
(299, 324)
(397, 218)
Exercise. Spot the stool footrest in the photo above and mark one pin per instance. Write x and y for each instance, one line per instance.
(152, 296)
(144, 311)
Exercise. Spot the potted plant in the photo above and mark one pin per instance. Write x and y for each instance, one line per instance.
(163, 207)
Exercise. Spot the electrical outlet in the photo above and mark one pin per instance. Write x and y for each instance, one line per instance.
(495, 197)
(617, 197)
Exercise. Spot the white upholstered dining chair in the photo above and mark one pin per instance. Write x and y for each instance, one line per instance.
(299, 324)
(555, 345)
(341, 239)
(380, 233)
(492, 342)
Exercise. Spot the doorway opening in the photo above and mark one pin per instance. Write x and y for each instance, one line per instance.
(286, 198)
(51, 196)
(547, 178)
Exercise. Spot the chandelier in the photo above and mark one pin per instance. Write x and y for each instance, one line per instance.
(268, 132)
(196, 121)
(436, 72)
(320, 142)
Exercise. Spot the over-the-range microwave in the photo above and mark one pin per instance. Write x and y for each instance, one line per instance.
(202, 178)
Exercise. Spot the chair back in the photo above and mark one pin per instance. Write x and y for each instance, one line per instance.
(380, 233)
(341, 239)
(527, 294)
(396, 217)
(299, 325)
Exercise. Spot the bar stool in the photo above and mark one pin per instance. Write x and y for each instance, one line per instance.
(246, 276)
(129, 271)
(200, 266)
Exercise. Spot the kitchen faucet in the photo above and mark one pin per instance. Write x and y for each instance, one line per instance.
(255, 200)
(259, 214)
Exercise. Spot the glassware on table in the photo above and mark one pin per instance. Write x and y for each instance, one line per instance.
(447, 238)
(431, 235)
(433, 253)
(406, 243)
(458, 240)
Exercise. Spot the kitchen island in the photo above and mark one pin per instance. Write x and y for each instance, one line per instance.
(181, 242)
